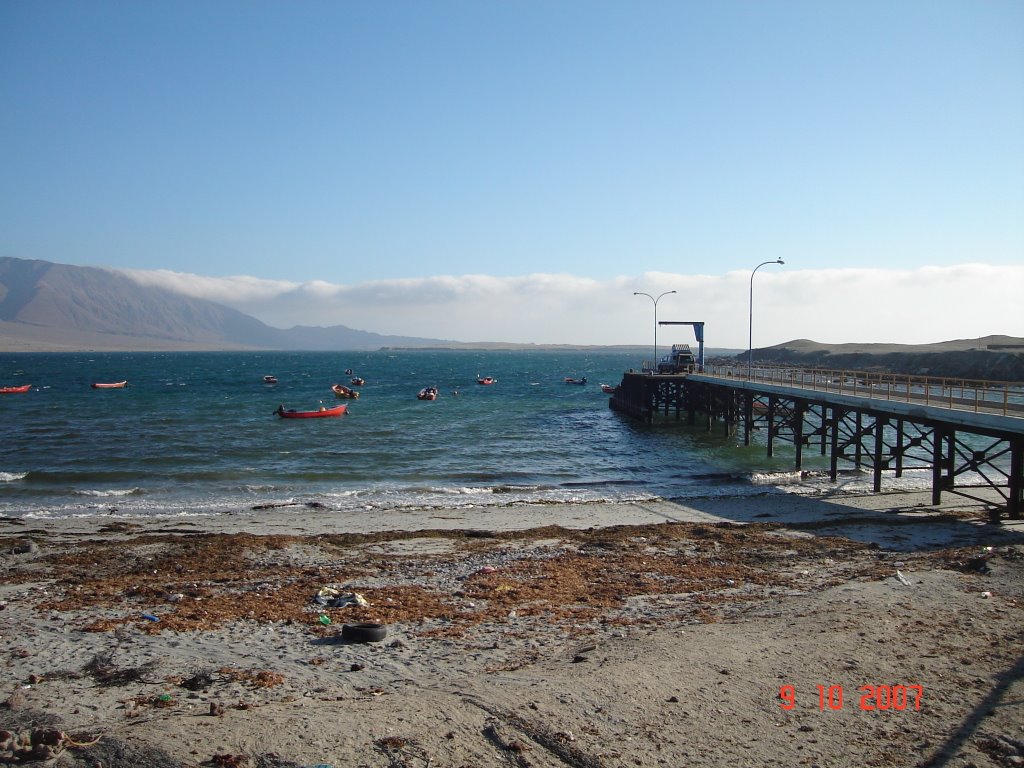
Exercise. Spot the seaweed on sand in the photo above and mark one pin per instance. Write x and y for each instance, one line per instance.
(101, 669)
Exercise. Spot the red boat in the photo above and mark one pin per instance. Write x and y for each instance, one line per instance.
(322, 412)
(12, 390)
(486, 380)
(111, 385)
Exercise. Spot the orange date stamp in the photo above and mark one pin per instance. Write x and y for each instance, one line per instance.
(873, 698)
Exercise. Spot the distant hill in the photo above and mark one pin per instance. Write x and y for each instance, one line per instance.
(992, 358)
(58, 307)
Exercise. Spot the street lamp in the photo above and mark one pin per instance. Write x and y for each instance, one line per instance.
(750, 337)
(666, 293)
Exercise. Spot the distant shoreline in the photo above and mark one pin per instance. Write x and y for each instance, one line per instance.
(19, 347)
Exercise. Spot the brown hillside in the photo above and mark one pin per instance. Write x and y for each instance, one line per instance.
(991, 358)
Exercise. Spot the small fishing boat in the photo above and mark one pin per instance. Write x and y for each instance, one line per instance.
(571, 380)
(320, 413)
(12, 390)
(356, 381)
(344, 393)
(110, 385)
(270, 379)
(485, 379)
(609, 389)
(427, 393)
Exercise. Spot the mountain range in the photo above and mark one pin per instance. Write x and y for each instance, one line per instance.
(59, 307)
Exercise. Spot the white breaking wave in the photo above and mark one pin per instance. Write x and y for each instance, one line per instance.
(109, 492)
(776, 478)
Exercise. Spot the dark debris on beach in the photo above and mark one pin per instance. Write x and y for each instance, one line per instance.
(201, 581)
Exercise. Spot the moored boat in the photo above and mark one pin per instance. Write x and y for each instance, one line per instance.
(427, 393)
(320, 413)
(12, 390)
(485, 380)
(270, 379)
(571, 380)
(609, 389)
(357, 381)
(110, 385)
(342, 392)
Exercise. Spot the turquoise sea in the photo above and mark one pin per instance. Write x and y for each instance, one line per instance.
(195, 433)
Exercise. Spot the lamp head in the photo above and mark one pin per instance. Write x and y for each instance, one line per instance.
(780, 261)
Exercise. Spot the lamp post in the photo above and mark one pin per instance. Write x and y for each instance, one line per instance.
(666, 293)
(750, 337)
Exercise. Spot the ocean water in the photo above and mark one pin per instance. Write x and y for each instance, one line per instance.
(196, 433)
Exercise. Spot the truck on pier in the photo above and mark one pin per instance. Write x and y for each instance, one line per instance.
(679, 360)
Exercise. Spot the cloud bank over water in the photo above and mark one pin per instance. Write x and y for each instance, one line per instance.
(832, 306)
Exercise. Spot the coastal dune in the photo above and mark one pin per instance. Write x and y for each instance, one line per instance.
(775, 629)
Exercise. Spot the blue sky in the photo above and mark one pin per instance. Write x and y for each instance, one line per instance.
(328, 150)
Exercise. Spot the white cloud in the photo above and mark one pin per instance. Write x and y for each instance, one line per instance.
(225, 290)
(831, 306)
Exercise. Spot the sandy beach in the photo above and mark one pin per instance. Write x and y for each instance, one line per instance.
(770, 630)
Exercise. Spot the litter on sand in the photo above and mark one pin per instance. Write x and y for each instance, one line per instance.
(335, 598)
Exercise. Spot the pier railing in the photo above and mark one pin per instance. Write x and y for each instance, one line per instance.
(1006, 398)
